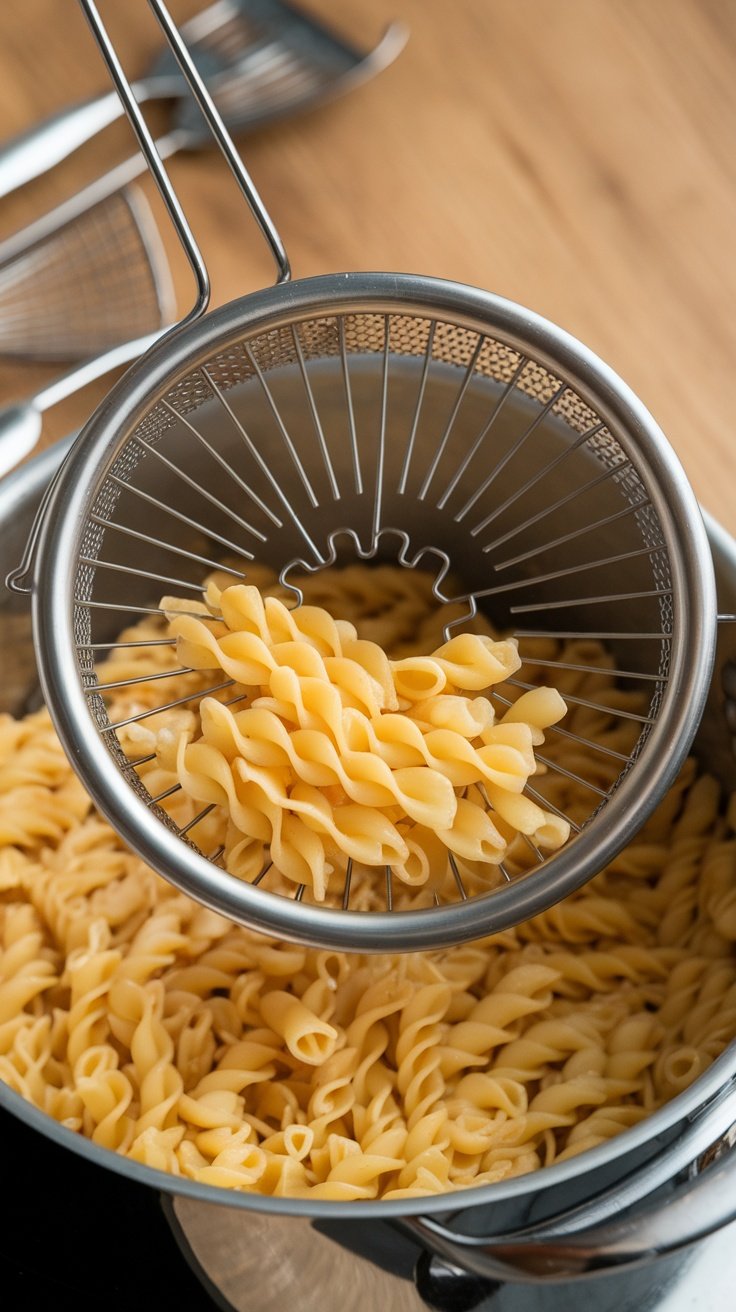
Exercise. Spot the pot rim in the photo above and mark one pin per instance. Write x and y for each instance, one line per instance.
(22, 485)
(654, 1127)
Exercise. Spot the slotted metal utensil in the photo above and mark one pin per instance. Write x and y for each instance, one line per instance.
(413, 419)
(263, 60)
(85, 278)
(21, 422)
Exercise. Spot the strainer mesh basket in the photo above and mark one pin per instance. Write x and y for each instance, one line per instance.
(398, 437)
(392, 418)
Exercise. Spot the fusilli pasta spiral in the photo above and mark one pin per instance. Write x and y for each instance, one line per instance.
(157, 1029)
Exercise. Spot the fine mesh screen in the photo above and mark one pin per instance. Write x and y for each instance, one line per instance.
(375, 422)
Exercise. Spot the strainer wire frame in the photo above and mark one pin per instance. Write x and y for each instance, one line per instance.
(56, 573)
(184, 349)
(621, 1154)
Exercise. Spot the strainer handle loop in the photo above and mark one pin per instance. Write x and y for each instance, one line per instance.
(227, 146)
(153, 159)
(155, 163)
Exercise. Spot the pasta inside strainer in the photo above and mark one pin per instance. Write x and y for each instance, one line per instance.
(162, 1031)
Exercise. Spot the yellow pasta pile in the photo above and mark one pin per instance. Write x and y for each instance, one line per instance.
(159, 1030)
(333, 751)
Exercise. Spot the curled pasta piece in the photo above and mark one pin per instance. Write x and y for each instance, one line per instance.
(107, 1094)
(158, 1148)
(539, 708)
(463, 715)
(526, 817)
(473, 835)
(310, 1039)
(469, 662)
(158, 1030)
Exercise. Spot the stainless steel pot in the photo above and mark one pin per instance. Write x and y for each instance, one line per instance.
(649, 1193)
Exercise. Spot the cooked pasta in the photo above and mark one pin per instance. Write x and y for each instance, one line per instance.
(331, 751)
(159, 1030)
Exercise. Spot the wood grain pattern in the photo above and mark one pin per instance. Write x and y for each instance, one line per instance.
(261, 1263)
(574, 155)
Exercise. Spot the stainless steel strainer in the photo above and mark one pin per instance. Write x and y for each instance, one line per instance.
(399, 418)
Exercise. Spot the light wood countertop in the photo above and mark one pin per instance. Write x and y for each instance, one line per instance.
(574, 155)
(577, 156)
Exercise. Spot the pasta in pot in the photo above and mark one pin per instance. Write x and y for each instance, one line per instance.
(159, 1030)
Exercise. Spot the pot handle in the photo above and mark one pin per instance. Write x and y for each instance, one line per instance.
(616, 1229)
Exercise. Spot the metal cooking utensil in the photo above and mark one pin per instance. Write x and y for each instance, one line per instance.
(411, 417)
(21, 423)
(263, 59)
(86, 277)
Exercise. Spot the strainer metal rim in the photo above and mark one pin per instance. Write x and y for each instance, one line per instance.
(693, 588)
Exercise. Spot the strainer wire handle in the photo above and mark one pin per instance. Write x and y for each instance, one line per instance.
(155, 163)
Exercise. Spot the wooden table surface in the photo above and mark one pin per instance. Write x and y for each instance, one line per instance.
(577, 156)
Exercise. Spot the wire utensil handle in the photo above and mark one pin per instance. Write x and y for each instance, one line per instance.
(155, 162)
(153, 154)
